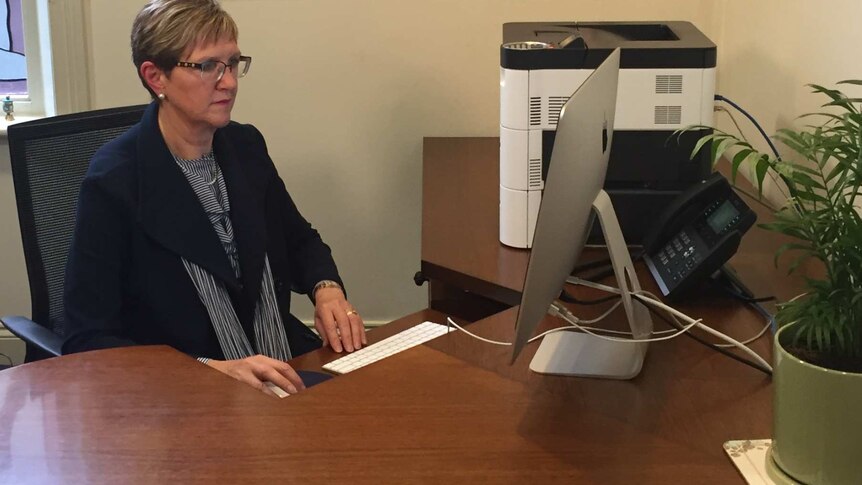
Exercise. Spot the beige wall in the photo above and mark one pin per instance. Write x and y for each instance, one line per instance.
(769, 51)
(345, 90)
(14, 290)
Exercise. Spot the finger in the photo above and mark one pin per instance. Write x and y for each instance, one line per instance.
(330, 328)
(362, 330)
(287, 371)
(267, 365)
(264, 388)
(272, 374)
(344, 328)
(321, 331)
(248, 376)
(357, 330)
(279, 392)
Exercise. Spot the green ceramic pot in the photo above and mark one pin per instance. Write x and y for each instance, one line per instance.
(817, 422)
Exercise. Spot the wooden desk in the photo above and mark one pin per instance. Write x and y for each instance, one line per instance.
(450, 411)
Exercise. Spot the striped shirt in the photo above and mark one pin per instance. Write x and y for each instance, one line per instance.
(206, 179)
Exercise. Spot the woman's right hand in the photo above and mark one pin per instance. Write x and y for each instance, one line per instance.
(258, 369)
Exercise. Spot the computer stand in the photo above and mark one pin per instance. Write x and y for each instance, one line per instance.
(581, 354)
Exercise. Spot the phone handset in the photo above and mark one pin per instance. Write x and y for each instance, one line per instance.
(696, 235)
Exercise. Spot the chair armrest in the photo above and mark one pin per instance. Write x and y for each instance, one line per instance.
(34, 334)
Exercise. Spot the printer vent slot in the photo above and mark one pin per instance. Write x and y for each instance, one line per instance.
(535, 173)
(668, 84)
(535, 111)
(555, 105)
(668, 115)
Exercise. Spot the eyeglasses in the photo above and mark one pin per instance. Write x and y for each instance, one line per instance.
(213, 70)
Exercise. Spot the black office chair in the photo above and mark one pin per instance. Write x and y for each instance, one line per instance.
(49, 159)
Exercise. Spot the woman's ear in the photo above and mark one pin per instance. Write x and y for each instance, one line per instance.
(154, 77)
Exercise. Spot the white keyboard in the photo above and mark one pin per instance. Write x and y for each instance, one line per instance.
(402, 340)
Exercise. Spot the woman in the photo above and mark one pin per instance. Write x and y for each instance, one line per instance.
(186, 235)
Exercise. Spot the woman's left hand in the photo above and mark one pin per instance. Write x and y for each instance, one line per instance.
(337, 322)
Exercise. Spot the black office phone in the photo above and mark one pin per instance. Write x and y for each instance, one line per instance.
(696, 235)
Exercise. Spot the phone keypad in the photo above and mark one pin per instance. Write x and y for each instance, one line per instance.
(691, 251)
(678, 258)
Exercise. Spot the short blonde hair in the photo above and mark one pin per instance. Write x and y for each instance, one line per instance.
(166, 29)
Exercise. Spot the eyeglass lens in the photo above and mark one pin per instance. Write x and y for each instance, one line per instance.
(216, 69)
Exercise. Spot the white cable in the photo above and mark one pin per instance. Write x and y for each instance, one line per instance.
(615, 339)
(643, 296)
(574, 326)
(571, 326)
(575, 321)
(725, 346)
(483, 339)
(652, 299)
(559, 306)
(703, 327)
(568, 327)
(566, 315)
(591, 284)
(752, 339)
(762, 330)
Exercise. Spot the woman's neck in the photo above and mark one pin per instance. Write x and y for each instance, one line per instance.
(182, 139)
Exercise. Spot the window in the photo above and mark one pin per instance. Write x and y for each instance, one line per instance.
(53, 75)
(13, 64)
(28, 79)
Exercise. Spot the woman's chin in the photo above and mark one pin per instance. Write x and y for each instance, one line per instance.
(220, 121)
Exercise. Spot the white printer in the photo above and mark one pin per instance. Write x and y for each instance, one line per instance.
(666, 82)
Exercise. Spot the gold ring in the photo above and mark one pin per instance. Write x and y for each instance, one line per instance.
(352, 312)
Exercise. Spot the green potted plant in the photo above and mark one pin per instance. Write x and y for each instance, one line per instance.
(817, 433)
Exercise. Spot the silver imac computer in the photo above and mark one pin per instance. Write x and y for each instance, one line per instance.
(572, 198)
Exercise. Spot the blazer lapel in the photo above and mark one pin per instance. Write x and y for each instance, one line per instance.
(246, 197)
(170, 212)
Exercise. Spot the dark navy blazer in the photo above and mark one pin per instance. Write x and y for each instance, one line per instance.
(138, 216)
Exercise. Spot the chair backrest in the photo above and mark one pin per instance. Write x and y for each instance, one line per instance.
(49, 160)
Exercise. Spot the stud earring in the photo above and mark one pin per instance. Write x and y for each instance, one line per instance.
(161, 96)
